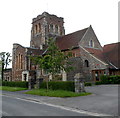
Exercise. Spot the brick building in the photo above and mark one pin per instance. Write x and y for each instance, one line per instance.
(89, 57)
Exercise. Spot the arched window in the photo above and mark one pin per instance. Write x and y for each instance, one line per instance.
(39, 27)
(86, 63)
(91, 43)
(35, 29)
(51, 28)
(56, 29)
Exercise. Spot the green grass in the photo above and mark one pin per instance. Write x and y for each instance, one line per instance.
(56, 93)
(7, 88)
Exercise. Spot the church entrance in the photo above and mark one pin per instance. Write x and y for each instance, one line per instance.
(96, 74)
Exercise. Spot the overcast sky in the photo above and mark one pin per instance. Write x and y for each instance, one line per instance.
(16, 17)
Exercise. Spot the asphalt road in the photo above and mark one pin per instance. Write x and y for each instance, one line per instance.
(21, 107)
(103, 101)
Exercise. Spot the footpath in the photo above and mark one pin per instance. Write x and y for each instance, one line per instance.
(103, 101)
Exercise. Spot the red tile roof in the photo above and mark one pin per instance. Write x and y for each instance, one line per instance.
(71, 40)
(97, 53)
(112, 54)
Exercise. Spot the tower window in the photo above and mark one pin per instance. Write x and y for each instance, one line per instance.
(51, 27)
(35, 29)
(39, 27)
(86, 63)
(56, 29)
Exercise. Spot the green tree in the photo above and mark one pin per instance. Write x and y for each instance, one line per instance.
(53, 61)
(5, 59)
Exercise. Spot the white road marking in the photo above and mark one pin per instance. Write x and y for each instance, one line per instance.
(57, 106)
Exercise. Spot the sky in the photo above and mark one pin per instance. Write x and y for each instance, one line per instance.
(16, 17)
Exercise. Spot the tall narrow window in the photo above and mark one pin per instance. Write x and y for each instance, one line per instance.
(21, 63)
(35, 29)
(91, 43)
(56, 29)
(39, 27)
(86, 63)
(51, 28)
(16, 62)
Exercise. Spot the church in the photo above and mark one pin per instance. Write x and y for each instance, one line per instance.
(89, 57)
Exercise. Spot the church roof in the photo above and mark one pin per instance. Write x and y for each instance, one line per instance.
(97, 53)
(70, 40)
(112, 55)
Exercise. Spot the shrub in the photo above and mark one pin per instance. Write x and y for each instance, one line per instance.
(59, 85)
(115, 79)
(98, 83)
(15, 84)
(105, 79)
(88, 84)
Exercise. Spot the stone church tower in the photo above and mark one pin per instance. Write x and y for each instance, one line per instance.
(45, 26)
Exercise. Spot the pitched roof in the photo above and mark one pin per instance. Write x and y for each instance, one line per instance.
(112, 55)
(70, 40)
(97, 53)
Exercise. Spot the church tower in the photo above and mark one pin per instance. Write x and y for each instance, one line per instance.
(45, 26)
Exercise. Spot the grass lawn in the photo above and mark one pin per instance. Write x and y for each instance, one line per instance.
(55, 93)
(7, 88)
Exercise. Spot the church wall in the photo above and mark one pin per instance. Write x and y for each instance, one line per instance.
(93, 64)
(18, 62)
(90, 35)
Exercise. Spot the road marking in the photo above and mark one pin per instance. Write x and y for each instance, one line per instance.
(57, 106)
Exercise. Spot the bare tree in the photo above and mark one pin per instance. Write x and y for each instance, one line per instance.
(5, 59)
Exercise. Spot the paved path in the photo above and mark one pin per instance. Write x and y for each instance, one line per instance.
(104, 100)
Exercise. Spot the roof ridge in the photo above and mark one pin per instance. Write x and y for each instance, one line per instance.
(76, 31)
(111, 44)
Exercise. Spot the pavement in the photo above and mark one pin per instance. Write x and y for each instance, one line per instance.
(104, 100)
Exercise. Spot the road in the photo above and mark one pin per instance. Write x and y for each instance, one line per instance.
(12, 106)
(103, 102)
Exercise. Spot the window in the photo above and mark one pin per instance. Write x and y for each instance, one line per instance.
(39, 27)
(51, 28)
(56, 29)
(91, 43)
(35, 29)
(86, 63)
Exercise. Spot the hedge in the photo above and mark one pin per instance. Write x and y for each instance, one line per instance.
(15, 84)
(98, 83)
(88, 84)
(115, 79)
(59, 85)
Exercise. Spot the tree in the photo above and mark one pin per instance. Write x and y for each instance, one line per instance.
(5, 59)
(53, 61)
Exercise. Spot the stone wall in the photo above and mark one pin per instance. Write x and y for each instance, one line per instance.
(93, 64)
(90, 35)
(45, 26)
(77, 68)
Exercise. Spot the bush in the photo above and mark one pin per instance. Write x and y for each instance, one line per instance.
(98, 83)
(88, 84)
(59, 85)
(15, 84)
(105, 79)
(115, 79)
